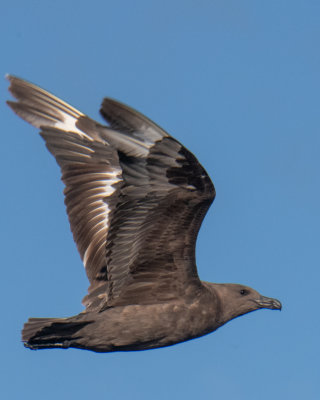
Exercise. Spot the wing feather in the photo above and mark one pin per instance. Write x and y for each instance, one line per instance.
(135, 197)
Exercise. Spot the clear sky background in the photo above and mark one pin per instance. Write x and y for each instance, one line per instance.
(237, 82)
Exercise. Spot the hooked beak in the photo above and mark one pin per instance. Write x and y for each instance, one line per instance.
(268, 302)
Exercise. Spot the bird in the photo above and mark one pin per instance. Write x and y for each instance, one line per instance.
(135, 199)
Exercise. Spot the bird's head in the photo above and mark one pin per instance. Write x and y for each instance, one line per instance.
(236, 300)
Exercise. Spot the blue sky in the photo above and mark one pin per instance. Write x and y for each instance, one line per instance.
(238, 83)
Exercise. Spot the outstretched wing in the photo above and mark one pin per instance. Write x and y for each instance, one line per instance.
(135, 197)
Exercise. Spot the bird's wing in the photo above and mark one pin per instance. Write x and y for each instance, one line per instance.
(135, 197)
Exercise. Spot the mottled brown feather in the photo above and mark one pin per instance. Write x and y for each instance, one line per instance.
(135, 197)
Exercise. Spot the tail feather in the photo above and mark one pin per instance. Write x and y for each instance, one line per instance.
(44, 333)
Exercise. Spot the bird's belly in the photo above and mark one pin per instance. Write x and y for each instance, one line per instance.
(138, 327)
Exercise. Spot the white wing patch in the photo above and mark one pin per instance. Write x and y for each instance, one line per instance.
(90, 168)
(68, 123)
(89, 213)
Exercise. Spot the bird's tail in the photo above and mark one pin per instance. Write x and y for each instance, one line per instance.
(46, 333)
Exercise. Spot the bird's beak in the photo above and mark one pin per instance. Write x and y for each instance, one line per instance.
(268, 302)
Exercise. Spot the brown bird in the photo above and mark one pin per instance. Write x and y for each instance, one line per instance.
(135, 199)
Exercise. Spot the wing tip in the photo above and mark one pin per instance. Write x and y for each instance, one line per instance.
(9, 77)
(12, 78)
(16, 84)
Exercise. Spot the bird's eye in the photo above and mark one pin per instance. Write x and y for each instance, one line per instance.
(243, 292)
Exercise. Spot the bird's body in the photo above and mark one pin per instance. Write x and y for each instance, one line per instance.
(136, 327)
(135, 199)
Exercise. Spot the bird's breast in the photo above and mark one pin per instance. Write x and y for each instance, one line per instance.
(137, 327)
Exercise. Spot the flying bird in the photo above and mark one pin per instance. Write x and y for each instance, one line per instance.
(135, 199)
